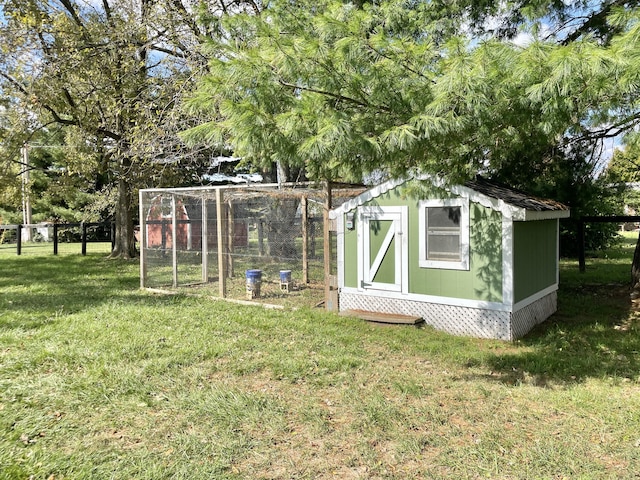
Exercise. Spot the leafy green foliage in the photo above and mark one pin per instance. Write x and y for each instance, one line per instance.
(624, 166)
(337, 89)
(111, 74)
(333, 92)
(388, 86)
(624, 169)
(569, 177)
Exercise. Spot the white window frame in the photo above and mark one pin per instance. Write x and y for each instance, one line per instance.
(463, 263)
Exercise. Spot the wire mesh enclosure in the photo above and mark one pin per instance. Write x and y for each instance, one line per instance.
(257, 242)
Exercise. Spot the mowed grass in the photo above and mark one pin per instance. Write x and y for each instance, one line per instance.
(99, 379)
(46, 248)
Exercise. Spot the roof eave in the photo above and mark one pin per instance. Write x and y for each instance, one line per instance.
(365, 197)
(512, 212)
(532, 215)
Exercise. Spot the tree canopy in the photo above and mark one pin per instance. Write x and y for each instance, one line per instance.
(625, 162)
(450, 88)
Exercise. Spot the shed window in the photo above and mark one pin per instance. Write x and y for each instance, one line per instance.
(444, 234)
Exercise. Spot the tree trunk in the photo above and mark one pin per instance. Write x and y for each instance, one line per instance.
(124, 246)
(635, 266)
(281, 228)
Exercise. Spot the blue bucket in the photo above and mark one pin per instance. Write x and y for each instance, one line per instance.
(285, 276)
(254, 279)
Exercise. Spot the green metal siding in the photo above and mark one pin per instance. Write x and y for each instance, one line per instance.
(484, 279)
(534, 257)
(350, 257)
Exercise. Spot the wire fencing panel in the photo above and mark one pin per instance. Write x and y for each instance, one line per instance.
(171, 238)
(275, 231)
(188, 239)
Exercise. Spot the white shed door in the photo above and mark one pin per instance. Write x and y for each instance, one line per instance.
(382, 249)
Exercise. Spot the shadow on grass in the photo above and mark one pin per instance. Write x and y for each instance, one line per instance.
(594, 334)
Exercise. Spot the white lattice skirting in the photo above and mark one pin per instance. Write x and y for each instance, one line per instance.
(537, 312)
(465, 321)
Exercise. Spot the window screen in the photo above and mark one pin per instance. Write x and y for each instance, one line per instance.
(443, 234)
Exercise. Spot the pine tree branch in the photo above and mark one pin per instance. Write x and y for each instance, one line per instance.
(610, 131)
(402, 64)
(337, 96)
(331, 71)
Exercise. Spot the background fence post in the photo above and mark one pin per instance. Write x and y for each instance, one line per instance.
(581, 254)
(19, 239)
(55, 238)
(83, 226)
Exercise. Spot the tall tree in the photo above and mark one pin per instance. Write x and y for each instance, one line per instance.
(113, 71)
(10, 162)
(83, 69)
(625, 162)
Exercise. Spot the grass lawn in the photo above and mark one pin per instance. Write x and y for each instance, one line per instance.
(99, 379)
(46, 248)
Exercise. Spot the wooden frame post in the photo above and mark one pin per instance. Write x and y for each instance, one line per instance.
(143, 239)
(174, 240)
(305, 239)
(222, 274)
(330, 292)
(204, 239)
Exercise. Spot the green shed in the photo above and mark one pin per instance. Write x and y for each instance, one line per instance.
(478, 259)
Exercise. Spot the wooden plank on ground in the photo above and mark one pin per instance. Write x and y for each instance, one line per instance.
(376, 317)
